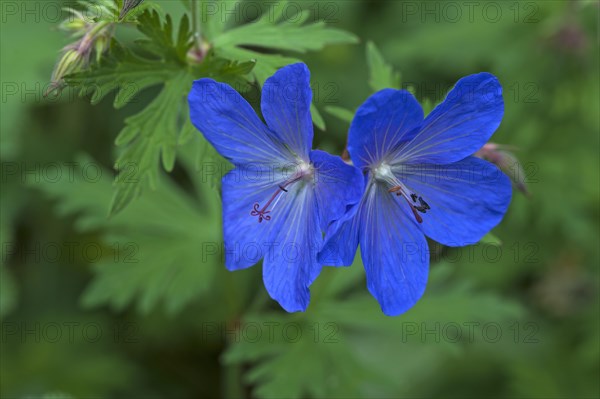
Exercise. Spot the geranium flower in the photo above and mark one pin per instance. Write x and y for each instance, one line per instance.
(280, 197)
(421, 180)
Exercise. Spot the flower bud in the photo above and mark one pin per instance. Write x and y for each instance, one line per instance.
(75, 23)
(101, 46)
(507, 162)
(69, 63)
(198, 52)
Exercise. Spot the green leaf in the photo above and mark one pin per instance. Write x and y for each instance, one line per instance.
(277, 31)
(149, 136)
(125, 72)
(285, 35)
(316, 117)
(344, 334)
(156, 252)
(266, 64)
(341, 113)
(328, 367)
(128, 5)
(159, 36)
(381, 74)
(491, 239)
(273, 31)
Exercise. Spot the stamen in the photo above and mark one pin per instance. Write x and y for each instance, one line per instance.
(384, 174)
(417, 216)
(422, 207)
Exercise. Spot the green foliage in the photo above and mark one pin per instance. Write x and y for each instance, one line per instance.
(157, 253)
(331, 338)
(381, 74)
(541, 280)
(277, 31)
(151, 137)
(340, 113)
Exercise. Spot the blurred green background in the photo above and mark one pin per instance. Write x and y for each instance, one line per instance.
(140, 305)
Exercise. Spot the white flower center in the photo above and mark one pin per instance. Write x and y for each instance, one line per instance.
(383, 173)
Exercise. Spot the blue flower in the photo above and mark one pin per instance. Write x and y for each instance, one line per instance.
(280, 197)
(421, 180)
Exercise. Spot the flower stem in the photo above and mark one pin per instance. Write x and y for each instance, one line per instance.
(195, 24)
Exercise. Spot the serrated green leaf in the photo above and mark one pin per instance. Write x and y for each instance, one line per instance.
(128, 5)
(157, 250)
(291, 36)
(381, 74)
(277, 31)
(346, 331)
(149, 135)
(328, 368)
(124, 72)
(266, 64)
(159, 36)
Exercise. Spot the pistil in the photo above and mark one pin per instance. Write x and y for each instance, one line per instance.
(263, 213)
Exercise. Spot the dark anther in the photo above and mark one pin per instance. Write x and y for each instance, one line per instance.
(281, 187)
(413, 196)
(423, 203)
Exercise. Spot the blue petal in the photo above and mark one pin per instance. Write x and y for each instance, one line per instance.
(338, 186)
(460, 125)
(467, 198)
(285, 104)
(290, 268)
(246, 240)
(394, 252)
(230, 124)
(341, 240)
(386, 120)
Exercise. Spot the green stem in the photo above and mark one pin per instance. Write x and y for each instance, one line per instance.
(196, 24)
(232, 381)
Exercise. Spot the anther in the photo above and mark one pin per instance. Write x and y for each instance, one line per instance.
(422, 207)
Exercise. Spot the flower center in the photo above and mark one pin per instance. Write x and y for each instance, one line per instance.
(303, 170)
(383, 173)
